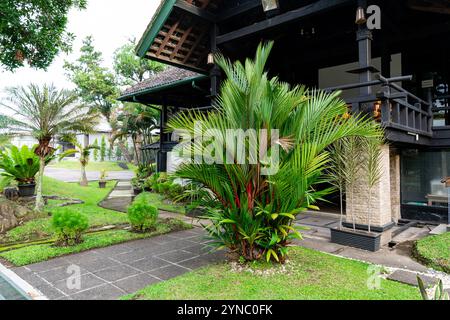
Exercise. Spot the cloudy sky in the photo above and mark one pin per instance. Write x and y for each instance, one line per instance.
(110, 22)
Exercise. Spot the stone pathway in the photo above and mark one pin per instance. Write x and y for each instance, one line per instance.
(112, 272)
(119, 198)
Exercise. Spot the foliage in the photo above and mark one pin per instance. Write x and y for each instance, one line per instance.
(34, 31)
(85, 153)
(310, 275)
(144, 170)
(110, 152)
(69, 226)
(118, 154)
(45, 113)
(96, 85)
(103, 149)
(434, 251)
(132, 69)
(20, 164)
(253, 213)
(96, 148)
(103, 175)
(439, 293)
(142, 215)
(43, 252)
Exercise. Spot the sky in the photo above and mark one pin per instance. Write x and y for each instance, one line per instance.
(110, 22)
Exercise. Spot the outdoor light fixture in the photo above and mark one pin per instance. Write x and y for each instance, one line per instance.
(360, 16)
(210, 59)
(270, 7)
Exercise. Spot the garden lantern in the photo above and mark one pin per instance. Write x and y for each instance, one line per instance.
(210, 60)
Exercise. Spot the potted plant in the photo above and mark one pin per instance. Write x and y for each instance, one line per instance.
(21, 165)
(350, 157)
(102, 179)
(137, 186)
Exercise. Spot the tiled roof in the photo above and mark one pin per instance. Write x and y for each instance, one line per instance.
(167, 77)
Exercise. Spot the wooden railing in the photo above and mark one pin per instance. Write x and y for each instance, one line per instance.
(393, 106)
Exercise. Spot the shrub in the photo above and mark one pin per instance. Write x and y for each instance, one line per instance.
(69, 226)
(19, 164)
(175, 190)
(141, 214)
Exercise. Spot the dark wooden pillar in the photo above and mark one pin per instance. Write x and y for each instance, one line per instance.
(214, 73)
(364, 38)
(162, 154)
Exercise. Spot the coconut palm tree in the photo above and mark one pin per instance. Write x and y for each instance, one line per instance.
(45, 113)
(85, 153)
(254, 208)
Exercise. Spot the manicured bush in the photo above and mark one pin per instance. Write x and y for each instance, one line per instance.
(141, 214)
(69, 226)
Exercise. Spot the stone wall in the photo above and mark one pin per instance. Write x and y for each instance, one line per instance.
(395, 184)
(380, 203)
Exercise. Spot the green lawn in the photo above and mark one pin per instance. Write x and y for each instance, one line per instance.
(311, 275)
(42, 252)
(158, 201)
(91, 195)
(434, 251)
(92, 166)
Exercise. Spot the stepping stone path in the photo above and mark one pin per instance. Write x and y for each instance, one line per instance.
(119, 198)
(411, 278)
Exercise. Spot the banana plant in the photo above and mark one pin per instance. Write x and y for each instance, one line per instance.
(83, 151)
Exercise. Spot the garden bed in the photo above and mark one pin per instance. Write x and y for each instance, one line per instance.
(309, 275)
(434, 251)
(43, 252)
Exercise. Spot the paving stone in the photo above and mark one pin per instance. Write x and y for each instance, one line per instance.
(175, 256)
(194, 263)
(58, 274)
(96, 264)
(104, 292)
(148, 264)
(87, 281)
(114, 250)
(168, 272)
(135, 283)
(50, 292)
(48, 265)
(185, 234)
(198, 249)
(411, 278)
(116, 272)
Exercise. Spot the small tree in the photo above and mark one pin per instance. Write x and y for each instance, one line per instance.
(337, 173)
(118, 154)
(110, 152)
(103, 149)
(85, 153)
(96, 148)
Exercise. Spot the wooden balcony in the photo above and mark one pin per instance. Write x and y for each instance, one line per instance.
(406, 117)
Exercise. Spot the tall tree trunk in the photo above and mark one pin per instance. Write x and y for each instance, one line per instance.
(125, 152)
(39, 205)
(83, 180)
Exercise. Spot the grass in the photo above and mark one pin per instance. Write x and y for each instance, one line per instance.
(311, 275)
(91, 195)
(158, 201)
(92, 166)
(434, 251)
(43, 252)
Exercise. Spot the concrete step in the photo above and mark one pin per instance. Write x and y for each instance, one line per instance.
(410, 278)
(440, 229)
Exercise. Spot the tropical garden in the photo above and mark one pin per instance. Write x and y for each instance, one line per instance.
(248, 208)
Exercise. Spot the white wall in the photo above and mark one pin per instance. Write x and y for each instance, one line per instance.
(338, 75)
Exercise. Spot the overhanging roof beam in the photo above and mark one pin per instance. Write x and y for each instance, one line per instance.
(243, 8)
(195, 11)
(290, 16)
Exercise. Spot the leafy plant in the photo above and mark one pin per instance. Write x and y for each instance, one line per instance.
(85, 153)
(96, 148)
(141, 214)
(439, 293)
(45, 113)
(21, 164)
(68, 226)
(103, 149)
(253, 212)
(103, 175)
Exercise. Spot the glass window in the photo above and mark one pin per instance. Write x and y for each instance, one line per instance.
(421, 175)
